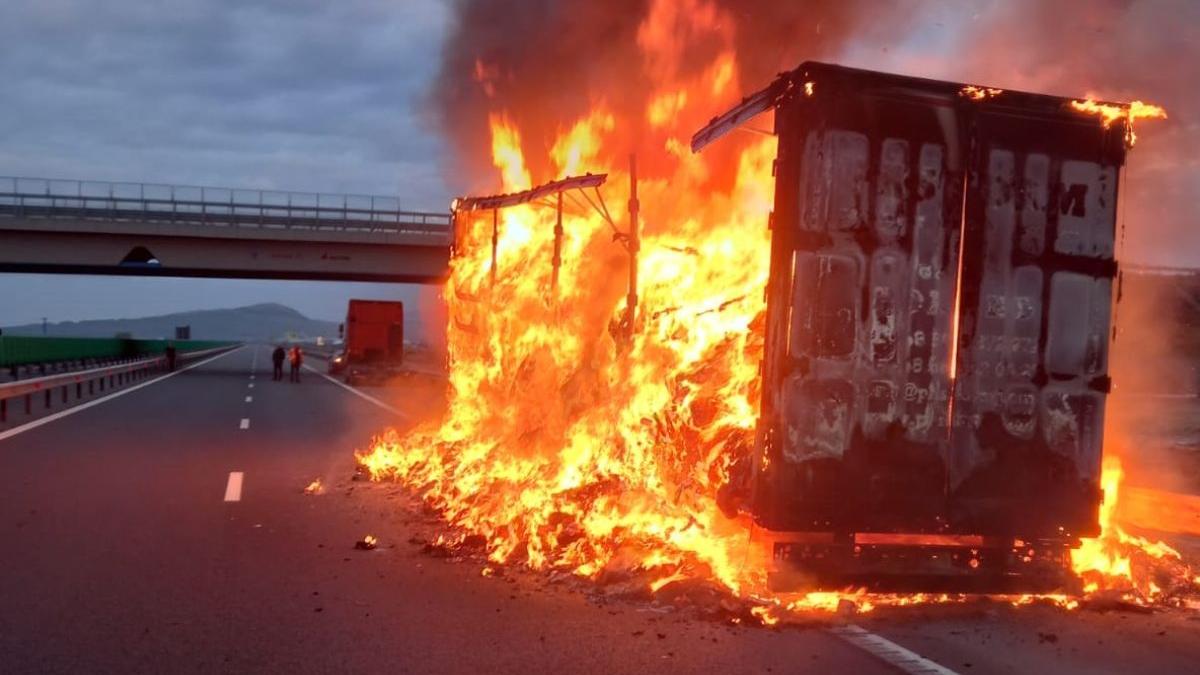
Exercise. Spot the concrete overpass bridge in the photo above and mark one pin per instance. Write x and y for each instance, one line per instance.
(89, 227)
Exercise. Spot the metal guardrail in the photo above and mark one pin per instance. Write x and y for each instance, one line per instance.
(106, 376)
(267, 209)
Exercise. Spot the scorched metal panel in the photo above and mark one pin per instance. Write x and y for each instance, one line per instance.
(1036, 288)
(868, 204)
(902, 204)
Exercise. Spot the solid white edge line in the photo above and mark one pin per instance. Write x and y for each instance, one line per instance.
(357, 393)
(245, 423)
(891, 653)
(233, 487)
(84, 406)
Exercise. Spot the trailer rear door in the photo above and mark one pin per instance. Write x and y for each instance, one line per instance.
(1036, 285)
(938, 311)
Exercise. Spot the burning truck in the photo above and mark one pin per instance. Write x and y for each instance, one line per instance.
(939, 316)
(916, 401)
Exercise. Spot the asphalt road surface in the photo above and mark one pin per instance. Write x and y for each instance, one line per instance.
(166, 530)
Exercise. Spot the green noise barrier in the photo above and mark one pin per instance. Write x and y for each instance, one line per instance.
(20, 350)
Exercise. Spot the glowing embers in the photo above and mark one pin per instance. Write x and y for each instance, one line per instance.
(979, 93)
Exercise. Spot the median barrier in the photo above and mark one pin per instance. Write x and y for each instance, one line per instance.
(96, 379)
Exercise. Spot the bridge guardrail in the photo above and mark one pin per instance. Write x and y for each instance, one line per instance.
(268, 209)
(114, 375)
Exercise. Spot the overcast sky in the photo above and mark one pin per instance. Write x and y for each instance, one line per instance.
(286, 94)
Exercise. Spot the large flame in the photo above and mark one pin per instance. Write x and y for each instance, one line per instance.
(570, 440)
(567, 444)
(1138, 569)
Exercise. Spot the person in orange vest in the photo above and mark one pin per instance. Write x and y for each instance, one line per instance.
(296, 358)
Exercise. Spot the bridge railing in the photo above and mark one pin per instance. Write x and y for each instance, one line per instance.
(267, 209)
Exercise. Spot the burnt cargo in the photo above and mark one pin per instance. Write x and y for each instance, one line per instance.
(939, 318)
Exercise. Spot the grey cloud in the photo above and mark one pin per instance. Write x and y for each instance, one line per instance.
(239, 92)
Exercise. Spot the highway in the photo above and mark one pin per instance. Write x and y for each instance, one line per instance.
(166, 530)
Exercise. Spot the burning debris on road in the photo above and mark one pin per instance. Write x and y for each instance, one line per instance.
(605, 421)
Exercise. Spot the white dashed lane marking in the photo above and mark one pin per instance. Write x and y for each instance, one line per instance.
(249, 399)
(358, 393)
(245, 423)
(233, 487)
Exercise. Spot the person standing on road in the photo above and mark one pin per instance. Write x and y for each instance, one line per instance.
(170, 352)
(277, 358)
(297, 358)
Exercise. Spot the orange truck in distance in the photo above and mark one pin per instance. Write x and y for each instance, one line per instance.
(373, 343)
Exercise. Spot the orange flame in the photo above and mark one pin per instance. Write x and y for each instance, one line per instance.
(979, 93)
(1109, 562)
(563, 445)
(1110, 113)
(506, 153)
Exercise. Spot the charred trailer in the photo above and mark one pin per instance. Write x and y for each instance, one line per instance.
(939, 315)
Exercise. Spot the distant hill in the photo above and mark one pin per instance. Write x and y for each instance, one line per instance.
(268, 321)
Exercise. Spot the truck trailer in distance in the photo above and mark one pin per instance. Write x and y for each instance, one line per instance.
(939, 315)
(373, 343)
